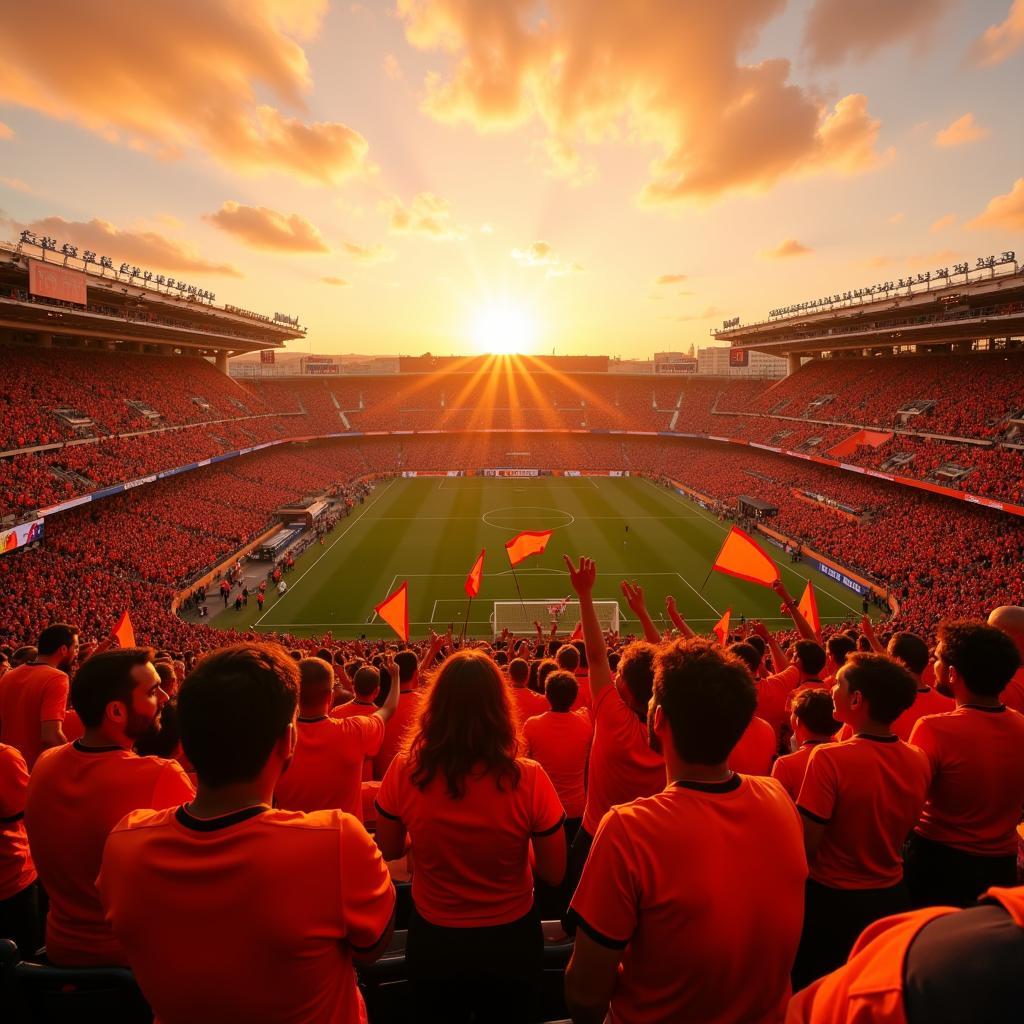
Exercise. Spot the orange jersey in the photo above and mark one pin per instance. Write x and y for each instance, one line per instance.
(354, 709)
(249, 917)
(560, 741)
(773, 697)
(790, 768)
(75, 797)
(16, 867)
(622, 764)
(1013, 695)
(29, 696)
(395, 730)
(869, 792)
(72, 726)
(527, 703)
(754, 752)
(327, 769)
(927, 702)
(714, 909)
(472, 855)
(977, 759)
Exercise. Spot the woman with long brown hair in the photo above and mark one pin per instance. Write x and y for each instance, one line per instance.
(472, 809)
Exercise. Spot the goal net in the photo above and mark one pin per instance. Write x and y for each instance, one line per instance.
(518, 617)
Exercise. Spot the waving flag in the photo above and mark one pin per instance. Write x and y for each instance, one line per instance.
(743, 557)
(721, 628)
(394, 610)
(808, 608)
(475, 575)
(124, 631)
(522, 545)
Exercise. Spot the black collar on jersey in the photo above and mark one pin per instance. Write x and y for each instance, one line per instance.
(877, 739)
(990, 708)
(731, 783)
(319, 718)
(215, 824)
(83, 749)
(362, 703)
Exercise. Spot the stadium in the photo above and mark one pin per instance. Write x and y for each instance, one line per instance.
(339, 685)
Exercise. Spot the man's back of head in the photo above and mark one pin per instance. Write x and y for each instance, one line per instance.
(809, 657)
(568, 658)
(316, 681)
(909, 650)
(984, 657)
(1010, 620)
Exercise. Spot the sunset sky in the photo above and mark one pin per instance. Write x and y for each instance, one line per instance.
(600, 176)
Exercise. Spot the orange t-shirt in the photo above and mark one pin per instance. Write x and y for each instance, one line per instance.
(560, 741)
(977, 759)
(29, 696)
(927, 702)
(790, 768)
(354, 709)
(472, 855)
(327, 769)
(16, 868)
(584, 699)
(622, 765)
(72, 726)
(773, 697)
(1013, 695)
(527, 703)
(869, 792)
(754, 752)
(250, 916)
(395, 730)
(75, 797)
(730, 915)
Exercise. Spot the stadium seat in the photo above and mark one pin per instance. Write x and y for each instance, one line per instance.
(41, 993)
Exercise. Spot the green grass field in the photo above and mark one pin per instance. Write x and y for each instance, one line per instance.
(429, 531)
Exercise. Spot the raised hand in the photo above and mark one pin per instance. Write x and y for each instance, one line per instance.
(670, 605)
(583, 577)
(634, 595)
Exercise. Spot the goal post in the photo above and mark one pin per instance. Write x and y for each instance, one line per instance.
(518, 617)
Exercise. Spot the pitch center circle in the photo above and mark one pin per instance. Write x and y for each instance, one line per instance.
(539, 517)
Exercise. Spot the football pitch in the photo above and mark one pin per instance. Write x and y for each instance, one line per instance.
(430, 530)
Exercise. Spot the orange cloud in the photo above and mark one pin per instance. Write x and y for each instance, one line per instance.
(1004, 212)
(262, 228)
(1000, 41)
(6, 131)
(671, 279)
(942, 223)
(837, 29)
(786, 248)
(962, 131)
(368, 254)
(541, 254)
(661, 71)
(15, 183)
(149, 249)
(336, 281)
(178, 76)
(427, 215)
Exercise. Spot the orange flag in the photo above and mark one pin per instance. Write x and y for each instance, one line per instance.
(522, 545)
(808, 608)
(721, 628)
(577, 633)
(394, 610)
(124, 631)
(743, 557)
(475, 575)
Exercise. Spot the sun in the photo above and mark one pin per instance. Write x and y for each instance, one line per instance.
(504, 329)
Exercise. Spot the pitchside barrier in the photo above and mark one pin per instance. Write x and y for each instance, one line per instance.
(518, 617)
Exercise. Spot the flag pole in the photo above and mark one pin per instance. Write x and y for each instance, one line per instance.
(705, 583)
(518, 591)
(462, 639)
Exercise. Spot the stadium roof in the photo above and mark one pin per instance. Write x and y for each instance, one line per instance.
(933, 312)
(125, 307)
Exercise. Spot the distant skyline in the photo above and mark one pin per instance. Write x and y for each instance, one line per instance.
(455, 176)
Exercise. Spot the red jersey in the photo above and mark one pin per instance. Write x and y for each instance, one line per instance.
(755, 751)
(869, 791)
(76, 795)
(29, 696)
(1013, 695)
(252, 916)
(622, 765)
(472, 855)
(977, 790)
(327, 769)
(713, 911)
(16, 868)
(560, 742)
(790, 768)
(395, 729)
(927, 702)
(527, 703)
(354, 708)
